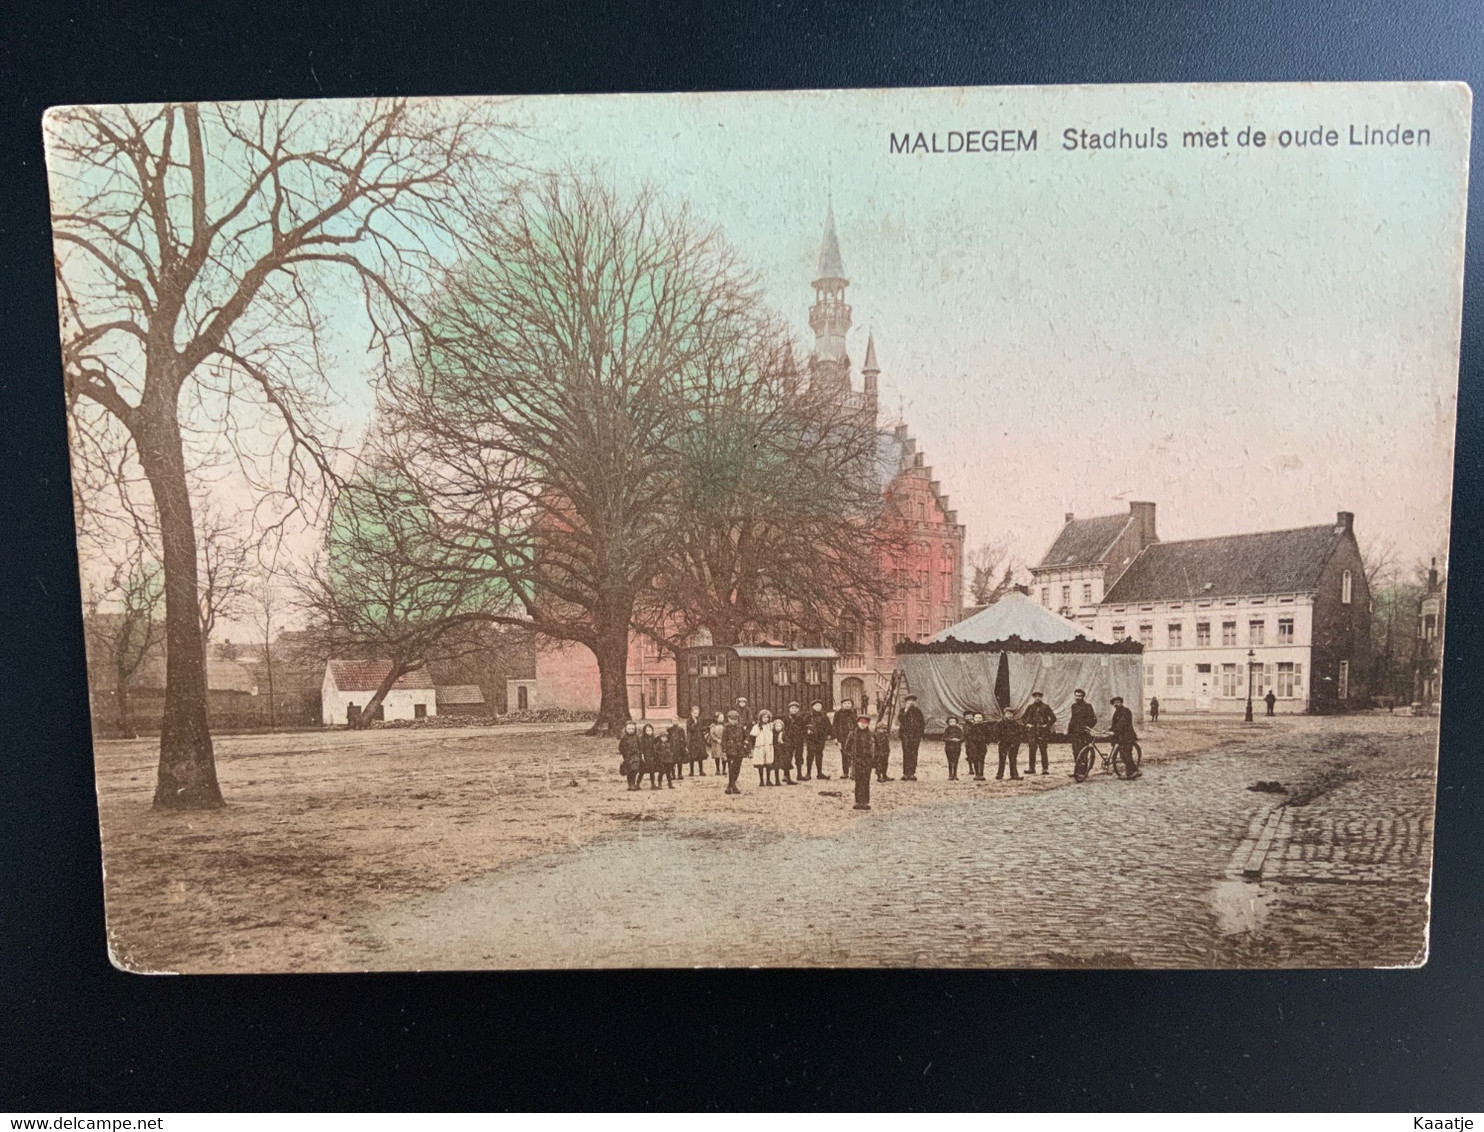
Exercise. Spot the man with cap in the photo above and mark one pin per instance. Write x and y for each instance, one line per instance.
(1081, 723)
(861, 755)
(816, 731)
(911, 727)
(844, 729)
(1039, 720)
(1122, 728)
(734, 749)
(793, 739)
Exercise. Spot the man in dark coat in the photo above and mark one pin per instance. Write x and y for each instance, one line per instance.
(844, 729)
(1122, 728)
(734, 749)
(1270, 699)
(953, 743)
(696, 730)
(1154, 709)
(793, 739)
(1039, 721)
(631, 754)
(861, 751)
(1081, 723)
(1011, 735)
(882, 749)
(911, 727)
(817, 729)
(976, 744)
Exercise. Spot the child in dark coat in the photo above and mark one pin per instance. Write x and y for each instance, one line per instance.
(953, 744)
(631, 754)
(675, 737)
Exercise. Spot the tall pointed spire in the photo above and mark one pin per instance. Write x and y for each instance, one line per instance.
(829, 317)
(831, 268)
(870, 372)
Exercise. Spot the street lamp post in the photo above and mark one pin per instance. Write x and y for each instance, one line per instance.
(1248, 717)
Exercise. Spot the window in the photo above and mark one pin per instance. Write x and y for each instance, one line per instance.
(1149, 676)
(713, 664)
(419, 711)
(945, 623)
(659, 692)
(1120, 632)
(1146, 636)
(1287, 686)
(921, 512)
(1203, 669)
(1429, 627)
(1344, 683)
(1256, 632)
(923, 590)
(1228, 632)
(923, 632)
(1345, 592)
(1046, 596)
(1066, 596)
(945, 582)
(522, 698)
(651, 650)
(1285, 630)
(783, 673)
(813, 672)
(1174, 676)
(1086, 593)
(1230, 687)
(1203, 634)
(1176, 634)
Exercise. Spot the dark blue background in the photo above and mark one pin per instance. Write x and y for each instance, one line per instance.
(76, 1033)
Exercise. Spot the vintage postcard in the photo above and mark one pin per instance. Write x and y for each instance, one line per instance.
(876, 528)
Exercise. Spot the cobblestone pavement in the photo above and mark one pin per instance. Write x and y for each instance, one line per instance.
(1184, 867)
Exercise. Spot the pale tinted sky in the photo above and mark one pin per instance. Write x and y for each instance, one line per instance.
(1252, 338)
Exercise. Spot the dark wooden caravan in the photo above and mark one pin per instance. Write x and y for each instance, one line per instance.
(770, 677)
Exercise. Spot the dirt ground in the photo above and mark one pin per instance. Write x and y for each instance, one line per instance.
(323, 830)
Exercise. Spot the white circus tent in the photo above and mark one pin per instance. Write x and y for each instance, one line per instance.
(995, 659)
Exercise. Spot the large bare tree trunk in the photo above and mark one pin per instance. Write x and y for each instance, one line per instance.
(187, 774)
(612, 652)
(367, 714)
(121, 701)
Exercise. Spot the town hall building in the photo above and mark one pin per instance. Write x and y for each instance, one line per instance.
(1282, 611)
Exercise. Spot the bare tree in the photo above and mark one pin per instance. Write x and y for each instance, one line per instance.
(384, 588)
(994, 570)
(539, 424)
(226, 578)
(783, 526)
(198, 250)
(122, 636)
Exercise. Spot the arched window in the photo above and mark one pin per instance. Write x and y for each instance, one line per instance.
(1346, 585)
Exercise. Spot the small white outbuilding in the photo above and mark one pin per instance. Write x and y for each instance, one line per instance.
(350, 684)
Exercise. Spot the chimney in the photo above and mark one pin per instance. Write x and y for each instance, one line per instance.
(1345, 523)
(1069, 517)
(1432, 577)
(1144, 512)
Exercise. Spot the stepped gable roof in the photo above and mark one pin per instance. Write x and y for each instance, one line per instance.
(1014, 615)
(897, 454)
(830, 266)
(1268, 562)
(460, 694)
(1083, 542)
(367, 675)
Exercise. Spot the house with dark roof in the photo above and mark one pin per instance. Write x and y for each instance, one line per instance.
(1088, 557)
(350, 684)
(1286, 612)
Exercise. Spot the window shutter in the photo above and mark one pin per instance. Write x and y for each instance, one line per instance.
(692, 665)
(721, 664)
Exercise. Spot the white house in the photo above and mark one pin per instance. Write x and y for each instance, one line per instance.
(1282, 611)
(350, 684)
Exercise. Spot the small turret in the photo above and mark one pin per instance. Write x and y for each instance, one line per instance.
(829, 317)
(870, 372)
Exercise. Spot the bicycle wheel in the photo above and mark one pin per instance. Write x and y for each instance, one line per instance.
(1083, 766)
(1125, 764)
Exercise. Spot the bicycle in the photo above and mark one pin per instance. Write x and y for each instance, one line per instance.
(1122, 761)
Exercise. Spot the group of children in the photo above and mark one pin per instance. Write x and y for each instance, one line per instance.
(788, 749)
